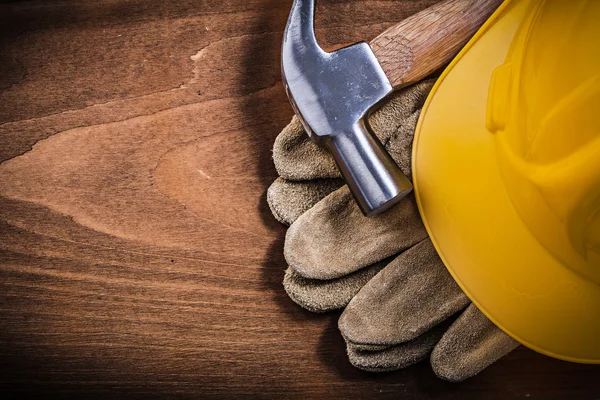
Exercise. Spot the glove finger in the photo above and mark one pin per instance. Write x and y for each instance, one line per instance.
(288, 200)
(297, 158)
(321, 296)
(408, 297)
(334, 238)
(394, 357)
(469, 346)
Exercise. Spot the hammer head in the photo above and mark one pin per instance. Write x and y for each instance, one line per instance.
(332, 93)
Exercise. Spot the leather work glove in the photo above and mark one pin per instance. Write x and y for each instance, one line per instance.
(401, 304)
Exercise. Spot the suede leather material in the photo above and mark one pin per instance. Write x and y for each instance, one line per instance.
(288, 200)
(327, 295)
(469, 346)
(317, 243)
(411, 295)
(394, 357)
(296, 158)
(398, 312)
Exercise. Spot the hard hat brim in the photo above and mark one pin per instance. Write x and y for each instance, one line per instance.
(493, 256)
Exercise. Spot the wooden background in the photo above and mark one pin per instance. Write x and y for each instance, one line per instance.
(138, 256)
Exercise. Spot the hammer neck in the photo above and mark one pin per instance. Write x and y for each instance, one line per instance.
(375, 180)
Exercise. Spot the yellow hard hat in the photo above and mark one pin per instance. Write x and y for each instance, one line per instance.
(506, 166)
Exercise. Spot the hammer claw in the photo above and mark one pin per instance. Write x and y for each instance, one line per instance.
(332, 93)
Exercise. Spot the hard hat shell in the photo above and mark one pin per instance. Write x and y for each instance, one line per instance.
(506, 167)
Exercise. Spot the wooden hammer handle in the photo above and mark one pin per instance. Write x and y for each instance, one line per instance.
(424, 42)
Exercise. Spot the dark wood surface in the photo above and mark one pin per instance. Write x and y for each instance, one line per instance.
(138, 257)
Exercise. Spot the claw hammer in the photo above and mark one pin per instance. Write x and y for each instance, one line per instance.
(332, 93)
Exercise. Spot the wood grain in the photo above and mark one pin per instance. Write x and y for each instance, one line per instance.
(137, 255)
(426, 41)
